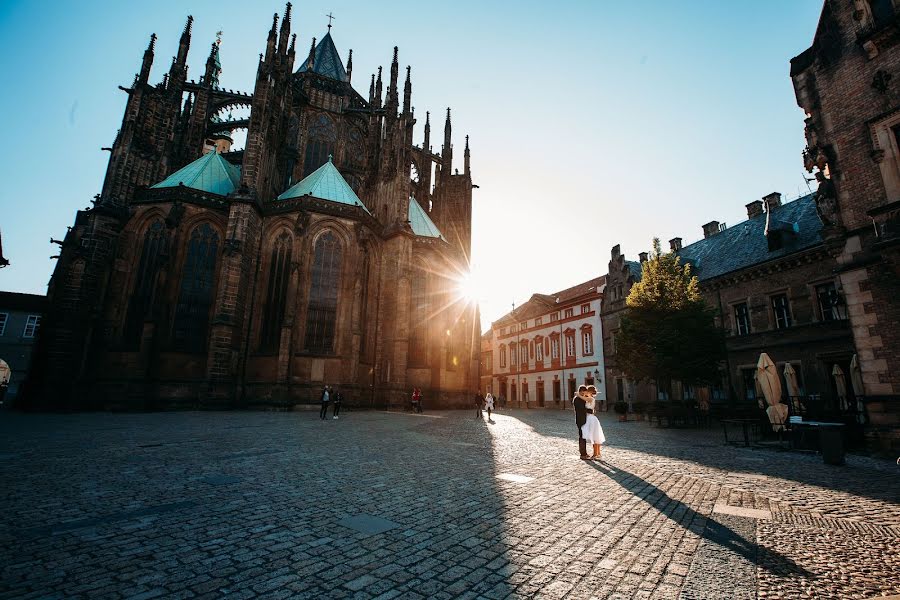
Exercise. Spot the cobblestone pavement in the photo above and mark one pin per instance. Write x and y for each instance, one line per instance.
(388, 505)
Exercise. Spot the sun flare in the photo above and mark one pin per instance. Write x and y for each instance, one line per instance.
(467, 287)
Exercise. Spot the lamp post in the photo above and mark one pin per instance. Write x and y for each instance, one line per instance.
(559, 347)
(598, 381)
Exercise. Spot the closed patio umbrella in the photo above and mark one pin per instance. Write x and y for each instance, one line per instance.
(793, 388)
(840, 383)
(858, 389)
(703, 398)
(770, 383)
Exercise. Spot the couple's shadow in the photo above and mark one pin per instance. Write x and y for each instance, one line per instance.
(714, 531)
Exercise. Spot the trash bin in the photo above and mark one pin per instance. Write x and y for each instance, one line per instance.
(831, 442)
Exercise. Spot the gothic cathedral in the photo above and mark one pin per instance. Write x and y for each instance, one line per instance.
(326, 252)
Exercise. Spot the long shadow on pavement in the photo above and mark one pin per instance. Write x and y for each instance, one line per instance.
(714, 531)
(706, 447)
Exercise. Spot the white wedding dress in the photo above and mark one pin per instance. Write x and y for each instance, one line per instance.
(591, 430)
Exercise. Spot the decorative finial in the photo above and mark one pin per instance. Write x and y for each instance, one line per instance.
(152, 45)
(219, 38)
(189, 24)
(330, 17)
(329, 158)
(395, 53)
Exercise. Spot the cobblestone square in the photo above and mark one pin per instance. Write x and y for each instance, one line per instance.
(440, 505)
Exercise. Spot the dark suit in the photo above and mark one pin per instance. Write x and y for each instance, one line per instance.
(580, 419)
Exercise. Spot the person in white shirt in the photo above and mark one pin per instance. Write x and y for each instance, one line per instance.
(489, 404)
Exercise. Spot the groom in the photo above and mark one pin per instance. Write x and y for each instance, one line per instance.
(581, 419)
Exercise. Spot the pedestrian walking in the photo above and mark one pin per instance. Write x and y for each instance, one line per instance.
(338, 398)
(580, 404)
(591, 430)
(479, 403)
(489, 404)
(326, 400)
(417, 400)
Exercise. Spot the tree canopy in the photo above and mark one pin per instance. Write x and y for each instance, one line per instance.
(668, 332)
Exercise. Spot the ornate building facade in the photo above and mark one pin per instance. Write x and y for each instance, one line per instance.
(541, 351)
(327, 251)
(848, 84)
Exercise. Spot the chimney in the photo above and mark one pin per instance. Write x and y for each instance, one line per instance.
(772, 200)
(710, 229)
(675, 243)
(754, 209)
(643, 256)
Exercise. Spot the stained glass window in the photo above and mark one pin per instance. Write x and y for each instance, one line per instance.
(418, 342)
(320, 140)
(191, 322)
(323, 295)
(276, 293)
(152, 256)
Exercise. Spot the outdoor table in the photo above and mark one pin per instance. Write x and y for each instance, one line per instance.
(748, 427)
(829, 437)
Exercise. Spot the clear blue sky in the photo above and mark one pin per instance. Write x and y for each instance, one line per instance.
(592, 123)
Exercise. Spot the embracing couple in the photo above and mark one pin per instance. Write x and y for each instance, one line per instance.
(589, 430)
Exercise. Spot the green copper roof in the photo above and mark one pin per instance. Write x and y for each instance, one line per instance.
(209, 173)
(326, 60)
(326, 183)
(420, 222)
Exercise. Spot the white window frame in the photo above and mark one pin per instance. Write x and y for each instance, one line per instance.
(32, 326)
(585, 309)
(569, 313)
(539, 350)
(554, 348)
(4, 318)
(570, 345)
(587, 342)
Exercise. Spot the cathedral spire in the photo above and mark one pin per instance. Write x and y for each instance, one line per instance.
(213, 63)
(407, 91)
(392, 94)
(466, 159)
(372, 91)
(179, 65)
(349, 65)
(148, 60)
(426, 145)
(285, 30)
(273, 35)
(447, 151)
(378, 89)
(311, 59)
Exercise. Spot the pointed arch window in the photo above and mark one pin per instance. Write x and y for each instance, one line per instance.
(323, 294)
(364, 305)
(276, 293)
(320, 140)
(419, 305)
(142, 296)
(191, 322)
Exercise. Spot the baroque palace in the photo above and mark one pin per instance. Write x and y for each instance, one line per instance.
(326, 252)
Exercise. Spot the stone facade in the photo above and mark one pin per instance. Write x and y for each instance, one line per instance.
(134, 320)
(20, 323)
(774, 290)
(544, 349)
(846, 83)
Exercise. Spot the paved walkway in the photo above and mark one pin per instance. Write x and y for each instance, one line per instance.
(388, 505)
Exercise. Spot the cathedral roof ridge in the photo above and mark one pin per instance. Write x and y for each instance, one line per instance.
(209, 173)
(326, 183)
(420, 223)
(326, 60)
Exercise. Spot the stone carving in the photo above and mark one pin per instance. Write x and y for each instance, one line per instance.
(302, 221)
(176, 212)
(826, 202)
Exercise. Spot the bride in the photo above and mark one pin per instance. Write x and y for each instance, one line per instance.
(591, 430)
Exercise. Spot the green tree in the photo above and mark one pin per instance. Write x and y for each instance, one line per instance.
(668, 332)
